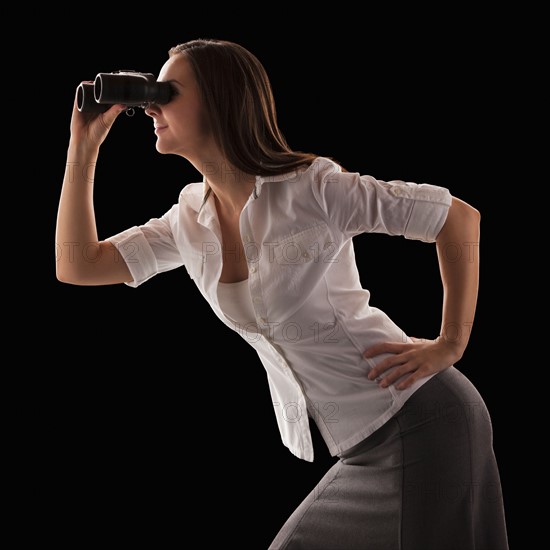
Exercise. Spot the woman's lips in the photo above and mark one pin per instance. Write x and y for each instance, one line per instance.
(159, 129)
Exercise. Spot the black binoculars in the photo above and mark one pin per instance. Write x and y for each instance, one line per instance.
(128, 88)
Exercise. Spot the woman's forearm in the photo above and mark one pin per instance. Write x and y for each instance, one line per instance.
(458, 254)
(76, 233)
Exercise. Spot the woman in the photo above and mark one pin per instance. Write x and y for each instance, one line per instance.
(267, 238)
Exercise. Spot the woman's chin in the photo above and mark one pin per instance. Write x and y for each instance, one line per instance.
(162, 148)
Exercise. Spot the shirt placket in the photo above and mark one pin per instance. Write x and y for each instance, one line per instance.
(253, 253)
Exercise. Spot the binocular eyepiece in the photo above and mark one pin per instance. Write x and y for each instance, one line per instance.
(125, 87)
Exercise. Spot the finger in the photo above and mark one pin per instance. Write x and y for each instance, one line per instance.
(396, 375)
(416, 374)
(410, 380)
(109, 116)
(389, 362)
(407, 382)
(385, 347)
(385, 365)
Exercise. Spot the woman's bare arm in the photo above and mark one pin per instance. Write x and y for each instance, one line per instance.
(82, 259)
(458, 253)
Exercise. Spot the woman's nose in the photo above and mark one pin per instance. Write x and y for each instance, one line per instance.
(152, 109)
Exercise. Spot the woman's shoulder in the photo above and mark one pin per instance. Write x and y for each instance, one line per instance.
(308, 175)
(322, 167)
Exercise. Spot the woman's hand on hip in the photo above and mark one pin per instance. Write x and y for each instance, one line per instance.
(412, 361)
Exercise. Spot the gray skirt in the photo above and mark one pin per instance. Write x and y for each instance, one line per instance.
(426, 480)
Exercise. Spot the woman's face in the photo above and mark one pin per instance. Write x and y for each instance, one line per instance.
(180, 124)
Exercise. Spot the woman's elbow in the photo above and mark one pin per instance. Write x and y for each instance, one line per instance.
(464, 210)
(66, 275)
(460, 217)
(464, 213)
(71, 272)
(474, 214)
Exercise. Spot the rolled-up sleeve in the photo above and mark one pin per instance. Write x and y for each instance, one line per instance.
(428, 204)
(362, 204)
(149, 249)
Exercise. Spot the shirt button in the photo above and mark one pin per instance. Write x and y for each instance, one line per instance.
(256, 299)
(326, 245)
(246, 238)
(305, 255)
(253, 270)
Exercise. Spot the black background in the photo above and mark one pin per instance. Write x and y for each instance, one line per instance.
(155, 416)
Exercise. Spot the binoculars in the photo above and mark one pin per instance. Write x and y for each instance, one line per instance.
(125, 87)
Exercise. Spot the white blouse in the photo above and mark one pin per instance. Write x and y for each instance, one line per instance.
(309, 318)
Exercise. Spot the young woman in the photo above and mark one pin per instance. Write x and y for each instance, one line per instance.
(267, 238)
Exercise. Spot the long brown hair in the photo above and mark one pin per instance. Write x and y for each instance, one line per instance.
(239, 103)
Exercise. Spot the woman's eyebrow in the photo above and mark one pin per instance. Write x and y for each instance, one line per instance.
(173, 80)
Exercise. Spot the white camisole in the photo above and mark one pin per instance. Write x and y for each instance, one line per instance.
(236, 302)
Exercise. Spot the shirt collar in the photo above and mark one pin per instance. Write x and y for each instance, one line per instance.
(260, 180)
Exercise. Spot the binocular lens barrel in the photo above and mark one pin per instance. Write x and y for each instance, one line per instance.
(85, 100)
(127, 88)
